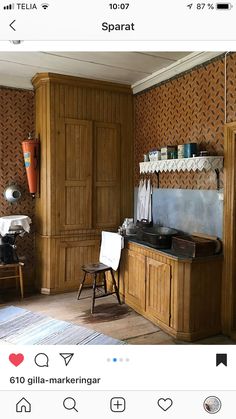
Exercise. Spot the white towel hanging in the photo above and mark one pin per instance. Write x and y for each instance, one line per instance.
(138, 199)
(148, 202)
(142, 200)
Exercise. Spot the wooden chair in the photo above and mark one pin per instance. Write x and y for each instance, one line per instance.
(95, 269)
(100, 268)
(18, 269)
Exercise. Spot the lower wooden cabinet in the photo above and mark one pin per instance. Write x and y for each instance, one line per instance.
(60, 260)
(182, 296)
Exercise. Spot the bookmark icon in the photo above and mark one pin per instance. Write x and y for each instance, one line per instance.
(221, 359)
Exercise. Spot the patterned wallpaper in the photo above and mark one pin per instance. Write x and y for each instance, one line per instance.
(187, 109)
(16, 121)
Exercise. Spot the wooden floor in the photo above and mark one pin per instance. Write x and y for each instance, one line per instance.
(120, 322)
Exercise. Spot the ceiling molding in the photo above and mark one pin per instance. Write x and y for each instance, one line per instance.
(180, 66)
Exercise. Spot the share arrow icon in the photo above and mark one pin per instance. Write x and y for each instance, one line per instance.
(67, 358)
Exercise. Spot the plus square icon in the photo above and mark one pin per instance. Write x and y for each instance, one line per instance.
(117, 404)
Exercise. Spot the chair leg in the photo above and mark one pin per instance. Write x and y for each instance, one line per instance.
(94, 291)
(17, 274)
(115, 286)
(105, 282)
(81, 286)
(21, 281)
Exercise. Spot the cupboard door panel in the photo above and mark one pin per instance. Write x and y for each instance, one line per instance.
(135, 286)
(76, 205)
(158, 283)
(72, 255)
(74, 169)
(106, 207)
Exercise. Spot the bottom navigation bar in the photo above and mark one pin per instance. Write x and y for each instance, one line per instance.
(152, 404)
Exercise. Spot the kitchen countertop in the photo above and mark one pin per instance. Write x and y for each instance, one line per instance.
(167, 252)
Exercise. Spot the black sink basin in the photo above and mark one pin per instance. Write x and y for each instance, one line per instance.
(160, 237)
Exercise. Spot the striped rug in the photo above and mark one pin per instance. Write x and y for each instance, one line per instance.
(22, 327)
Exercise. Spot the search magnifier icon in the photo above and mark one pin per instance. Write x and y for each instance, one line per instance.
(70, 404)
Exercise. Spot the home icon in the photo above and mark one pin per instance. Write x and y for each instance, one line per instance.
(23, 406)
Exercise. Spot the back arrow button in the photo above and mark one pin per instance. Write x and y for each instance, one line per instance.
(11, 25)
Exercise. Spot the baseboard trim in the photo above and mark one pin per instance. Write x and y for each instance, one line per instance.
(45, 291)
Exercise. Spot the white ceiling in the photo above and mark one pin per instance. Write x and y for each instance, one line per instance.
(17, 68)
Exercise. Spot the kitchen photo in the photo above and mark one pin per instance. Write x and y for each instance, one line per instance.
(117, 198)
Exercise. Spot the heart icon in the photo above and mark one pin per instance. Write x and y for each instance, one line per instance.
(165, 404)
(16, 359)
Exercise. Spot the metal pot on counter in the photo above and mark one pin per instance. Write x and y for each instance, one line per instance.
(160, 237)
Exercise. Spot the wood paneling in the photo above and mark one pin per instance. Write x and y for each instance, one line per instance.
(229, 270)
(135, 286)
(158, 283)
(182, 296)
(111, 108)
(60, 260)
(205, 296)
(72, 255)
(107, 163)
(71, 81)
(86, 179)
(42, 129)
(74, 174)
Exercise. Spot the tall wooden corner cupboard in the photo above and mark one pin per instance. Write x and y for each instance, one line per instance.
(85, 129)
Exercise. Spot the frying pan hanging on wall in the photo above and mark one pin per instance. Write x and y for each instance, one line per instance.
(12, 193)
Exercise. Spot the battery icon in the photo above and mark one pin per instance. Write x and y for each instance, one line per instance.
(224, 6)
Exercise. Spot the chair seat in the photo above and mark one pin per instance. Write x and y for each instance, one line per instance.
(92, 268)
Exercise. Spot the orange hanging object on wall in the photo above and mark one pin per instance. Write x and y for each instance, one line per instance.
(31, 158)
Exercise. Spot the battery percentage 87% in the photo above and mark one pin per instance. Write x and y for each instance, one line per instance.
(201, 6)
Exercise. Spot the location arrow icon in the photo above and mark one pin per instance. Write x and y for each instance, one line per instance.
(67, 357)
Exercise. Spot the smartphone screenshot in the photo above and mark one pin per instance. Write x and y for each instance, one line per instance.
(117, 209)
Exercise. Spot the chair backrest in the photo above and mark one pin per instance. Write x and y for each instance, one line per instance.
(110, 251)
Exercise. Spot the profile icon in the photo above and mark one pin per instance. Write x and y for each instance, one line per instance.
(212, 404)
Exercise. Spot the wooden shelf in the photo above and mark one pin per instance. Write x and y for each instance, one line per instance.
(176, 165)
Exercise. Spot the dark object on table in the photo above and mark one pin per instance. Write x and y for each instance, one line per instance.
(8, 249)
(161, 237)
(140, 226)
(144, 223)
(193, 246)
